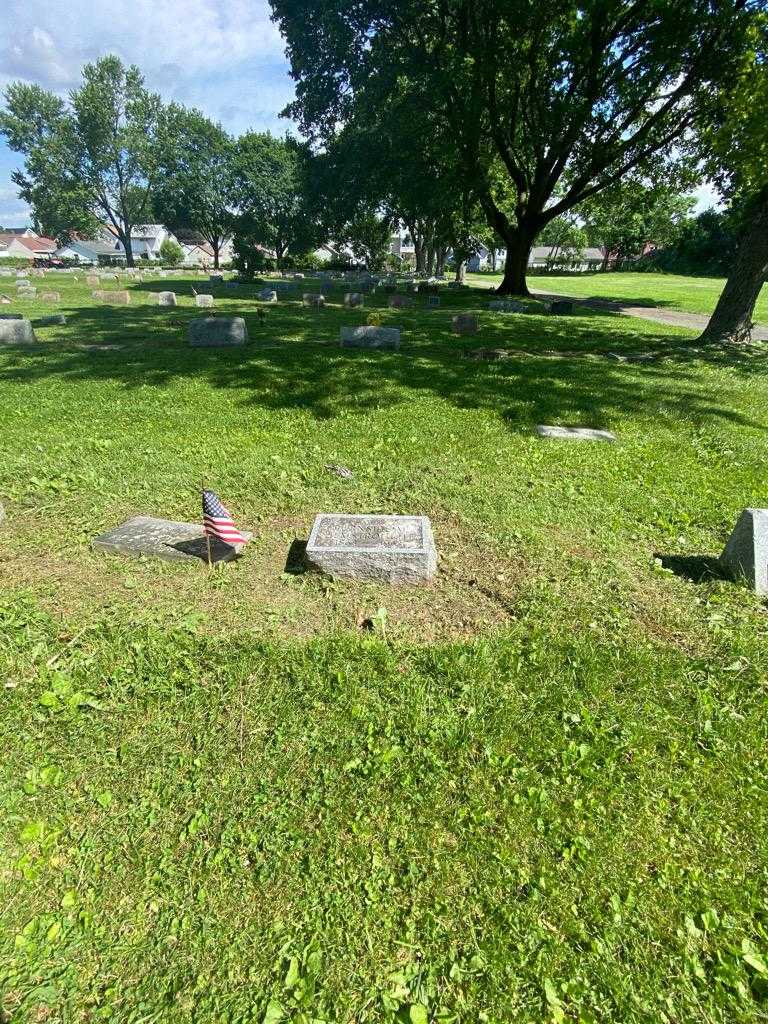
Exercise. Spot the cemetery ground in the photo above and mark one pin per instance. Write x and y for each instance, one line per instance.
(657, 291)
(534, 790)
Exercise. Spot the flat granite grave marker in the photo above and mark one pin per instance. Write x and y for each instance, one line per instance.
(217, 332)
(16, 332)
(377, 549)
(50, 297)
(166, 298)
(560, 306)
(507, 306)
(310, 299)
(353, 299)
(50, 321)
(204, 301)
(746, 553)
(164, 539)
(370, 337)
(267, 295)
(575, 433)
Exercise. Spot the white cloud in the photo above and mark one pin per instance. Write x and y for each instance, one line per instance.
(706, 196)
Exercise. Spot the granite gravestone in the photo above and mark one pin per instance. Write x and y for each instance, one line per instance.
(560, 306)
(464, 323)
(164, 539)
(166, 298)
(58, 319)
(16, 332)
(507, 306)
(370, 337)
(204, 301)
(50, 297)
(217, 332)
(746, 553)
(353, 299)
(117, 298)
(373, 549)
(575, 433)
(316, 301)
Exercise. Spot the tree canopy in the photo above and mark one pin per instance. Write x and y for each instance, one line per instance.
(90, 159)
(548, 104)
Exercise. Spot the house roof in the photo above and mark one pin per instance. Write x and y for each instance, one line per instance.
(544, 252)
(37, 244)
(104, 248)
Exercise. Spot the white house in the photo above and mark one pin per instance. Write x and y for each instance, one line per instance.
(91, 250)
(26, 246)
(146, 240)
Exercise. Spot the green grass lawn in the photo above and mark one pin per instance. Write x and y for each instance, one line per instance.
(663, 291)
(535, 791)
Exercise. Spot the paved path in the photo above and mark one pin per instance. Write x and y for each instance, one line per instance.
(672, 317)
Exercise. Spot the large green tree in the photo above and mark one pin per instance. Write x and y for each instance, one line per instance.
(90, 159)
(552, 102)
(623, 219)
(735, 140)
(272, 190)
(196, 181)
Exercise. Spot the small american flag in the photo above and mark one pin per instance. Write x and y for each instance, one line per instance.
(217, 522)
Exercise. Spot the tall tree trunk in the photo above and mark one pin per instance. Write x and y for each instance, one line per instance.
(519, 245)
(215, 246)
(493, 259)
(126, 240)
(731, 322)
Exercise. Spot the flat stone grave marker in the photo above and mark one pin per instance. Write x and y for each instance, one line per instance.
(166, 298)
(50, 297)
(204, 301)
(560, 306)
(16, 332)
(217, 332)
(11, 316)
(507, 306)
(379, 549)
(215, 278)
(575, 433)
(464, 323)
(353, 299)
(164, 539)
(370, 337)
(267, 295)
(310, 299)
(746, 553)
(50, 321)
(399, 301)
(26, 293)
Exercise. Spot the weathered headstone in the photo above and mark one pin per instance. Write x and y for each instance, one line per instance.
(11, 316)
(50, 297)
(165, 539)
(560, 306)
(746, 553)
(58, 319)
(166, 298)
(267, 295)
(217, 332)
(399, 301)
(118, 298)
(26, 293)
(311, 299)
(215, 278)
(352, 299)
(16, 332)
(507, 306)
(370, 337)
(464, 323)
(377, 549)
(204, 301)
(574, 433)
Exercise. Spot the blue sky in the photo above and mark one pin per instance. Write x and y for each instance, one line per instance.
(222, 56)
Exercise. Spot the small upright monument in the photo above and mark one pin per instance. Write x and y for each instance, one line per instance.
(746, 553)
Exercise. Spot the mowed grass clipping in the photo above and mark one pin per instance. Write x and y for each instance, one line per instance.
(533, 791)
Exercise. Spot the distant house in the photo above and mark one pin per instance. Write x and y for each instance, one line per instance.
(554, 257)
(198, 252)
(401, 244)
(91, 251)
(26, 246)
(146, 240)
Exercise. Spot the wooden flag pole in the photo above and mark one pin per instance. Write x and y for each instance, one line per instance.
(207, 535)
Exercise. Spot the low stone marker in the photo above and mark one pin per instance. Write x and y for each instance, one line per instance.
(457, 284)
(746, 554)
(353, 299)
(575, 433)
(464, 323)
(204, 301)
(377, 549)
(311, 299)
(560, 306)
(399, 301)
(11, 316)
(370, 337)
(507, 306)
(50, 297)
(215, 278)
(118, 298)
(26, 293)
(267, 295)
(58, 319)
(166, 298)
(217, 332)
(165, 539)
(16, 332)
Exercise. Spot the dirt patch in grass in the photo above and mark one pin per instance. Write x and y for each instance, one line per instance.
(474, 589)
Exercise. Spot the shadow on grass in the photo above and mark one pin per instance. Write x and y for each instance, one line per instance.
(294, 362)
(696, 568)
